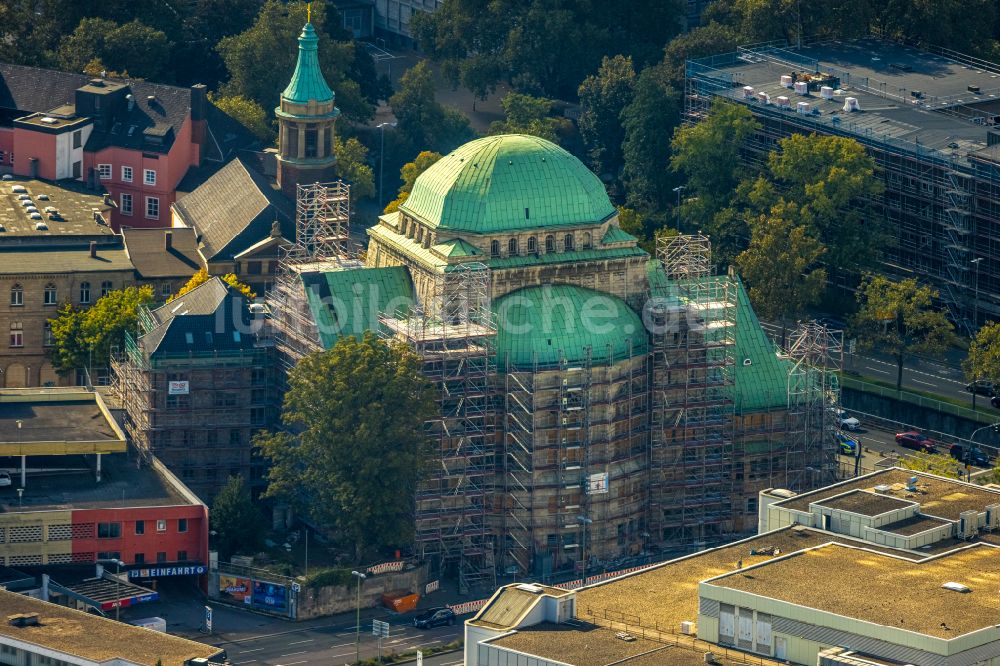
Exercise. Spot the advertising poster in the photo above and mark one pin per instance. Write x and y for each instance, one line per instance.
(270, 595)
(236, 588)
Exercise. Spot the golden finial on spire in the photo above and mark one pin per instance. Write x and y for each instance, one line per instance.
(309, 12)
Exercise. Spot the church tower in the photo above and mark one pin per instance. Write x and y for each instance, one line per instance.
(306, 118)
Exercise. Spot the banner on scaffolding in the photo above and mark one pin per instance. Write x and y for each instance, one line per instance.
(597, 484)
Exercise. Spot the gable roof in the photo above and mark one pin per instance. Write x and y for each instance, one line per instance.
(233, 210)
(146, 248)
(190, 324)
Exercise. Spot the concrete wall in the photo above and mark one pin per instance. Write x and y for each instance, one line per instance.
(332, 599)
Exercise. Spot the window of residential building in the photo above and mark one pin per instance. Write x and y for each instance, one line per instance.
(16, 334)
(165, 290)
(512, 247)
(161, 525)
(106, 287)
(126, 203)
(153, 208)
(47, 340)
(140, 558)
(161, 558)
(182, 556)
(108, 555)
(182, 525)
(532, 245)
(104, 171)
(17, 295)
(550, 243)
(253, 268)
(51, 295)
(495, 248)
(109, 530)
(84, 292)
(149, 177)
(225, 399)
(78, 139)
(568, 243)
(140, 527)
(126, 174)
(179, 402)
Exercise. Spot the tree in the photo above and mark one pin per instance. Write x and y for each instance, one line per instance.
(202, 276)
(705, 40)
(134, 48)
(359, 411)
(261, 59)
(421, 121)
(84, 338)
(525, 114)
(781, 266)
(409, 174)
(603, 98)
(934, 463)
(352, 167)
(900, 318)
(647, 227)
(248, 113)
(647, 123)
(235, 520)
(983, 359)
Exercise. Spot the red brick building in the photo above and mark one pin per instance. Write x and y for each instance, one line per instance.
(137, 140)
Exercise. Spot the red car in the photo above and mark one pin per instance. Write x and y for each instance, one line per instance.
(916, 441)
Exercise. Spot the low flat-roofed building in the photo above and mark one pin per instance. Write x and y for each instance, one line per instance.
(63, 209)
(881, 604)
(44, 630)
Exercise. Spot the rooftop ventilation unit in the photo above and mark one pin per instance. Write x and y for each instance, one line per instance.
(43, 197)
(782, 101)
(786, 80)
(48, 120)
(625, 636)
(763, 98)
(801, 88)
(805, 108)
(974, 89)
(968, 524)
(851, 105)
(687, 628)
(528, 587)
(956, 587)
(19, 189)
(992, 516)
(748, 92)
(882, 488)
(826, 92)
(39, 226)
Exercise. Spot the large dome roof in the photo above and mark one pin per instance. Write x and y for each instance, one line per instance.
(550, 324)
(508, 183)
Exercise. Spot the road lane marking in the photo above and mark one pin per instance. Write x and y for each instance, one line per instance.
(879, 370)
(237, 663)
(292, 663)
(308, 640)
(252, 650)
(292, 654)
(919, 381)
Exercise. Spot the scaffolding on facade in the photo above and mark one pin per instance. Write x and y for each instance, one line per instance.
(940, 205)
(691, 440)
(453, 333)
(816, 355)
(322, 243)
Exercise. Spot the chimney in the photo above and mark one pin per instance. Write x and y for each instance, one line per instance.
(199, 101)
(93, 249)
(168, 240)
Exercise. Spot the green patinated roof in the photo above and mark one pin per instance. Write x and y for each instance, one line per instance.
(348, 302)
(307, 82)
(456, 247)
(565, 257)
(553, 323)
(485, 186)
(615, 234)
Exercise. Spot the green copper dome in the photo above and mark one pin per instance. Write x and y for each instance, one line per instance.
(307, 82)
(561, 323)
(506, 183)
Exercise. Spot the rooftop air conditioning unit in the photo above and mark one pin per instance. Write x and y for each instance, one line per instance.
(763, 98)
(782, 101)
(801, 88)
(748, 92)
(826, 92)
(805, 108)
(968, 524)
(687, 628)
(786, 80)
(992, 516)
(851, 105)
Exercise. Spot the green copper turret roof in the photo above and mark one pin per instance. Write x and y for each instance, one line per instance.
(508, 183)
(307, 82)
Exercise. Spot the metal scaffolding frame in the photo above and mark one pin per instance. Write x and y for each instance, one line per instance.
(691, 442)
(453, 333)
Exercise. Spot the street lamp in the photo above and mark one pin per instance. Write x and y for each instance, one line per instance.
(975, 322)
(118, 582)
(381, 158)
(677, 191)
(583, 520)
(357, 618)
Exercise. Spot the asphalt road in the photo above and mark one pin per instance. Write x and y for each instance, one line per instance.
(876, 444)
(334, 645)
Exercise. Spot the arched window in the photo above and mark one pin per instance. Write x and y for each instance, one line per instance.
(512, 247)
(17, 295)
(84, 292)
(51, 295)
(532, 245)
(586, 240)
(495, 248)
(550, 243)
(568, 243)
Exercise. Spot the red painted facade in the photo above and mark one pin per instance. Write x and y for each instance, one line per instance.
(168, 545)
(27, 144)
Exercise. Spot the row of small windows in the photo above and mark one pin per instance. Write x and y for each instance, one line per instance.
(513, 245)
(114, 530)
(105, 171)
(152, 206)
(51, 293)
(17, 335)
(140, 558)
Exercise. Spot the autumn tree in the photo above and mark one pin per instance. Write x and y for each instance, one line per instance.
(358, 411)
(202, 276)
(603, 98)
(900, 318)
(409, 174)
(983, 360)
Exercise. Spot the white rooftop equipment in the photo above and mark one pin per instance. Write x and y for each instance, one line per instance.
(801, 88)
(786, 80)
(851, 104)
(748, 92)
(781, 100)
(804, 108)
(826, 92)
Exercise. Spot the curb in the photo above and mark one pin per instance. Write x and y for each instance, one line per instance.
(413, 660)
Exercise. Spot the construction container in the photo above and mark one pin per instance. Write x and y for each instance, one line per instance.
(400, 602)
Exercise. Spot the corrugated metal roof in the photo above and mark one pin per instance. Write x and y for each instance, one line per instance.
(307, 82)
(510, 182)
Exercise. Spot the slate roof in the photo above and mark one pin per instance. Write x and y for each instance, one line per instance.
(234, 209)
(146, 249)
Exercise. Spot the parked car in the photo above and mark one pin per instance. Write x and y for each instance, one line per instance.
(973, 456)
(844, 420)
(916, 441)
(995, 401)
(4, 480)
(982, 387)
(845, 445)
(433, 617)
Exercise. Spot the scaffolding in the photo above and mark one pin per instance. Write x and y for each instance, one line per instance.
(691, 443)
(322, 243)
(941, 206)
(453, 333)
(816, 355)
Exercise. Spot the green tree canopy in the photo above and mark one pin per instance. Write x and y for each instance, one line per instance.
(900, 318)
(603, 98)
(235, 520)
(134, 48)
(983, 360)
(352, 167)
(525, 114)
(705, 40)
(409, 174)
(647, 124)
(84, 338)
(360, 410)
(422, 122)
(248, 113)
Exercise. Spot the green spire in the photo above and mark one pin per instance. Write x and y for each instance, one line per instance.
(307, 82)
